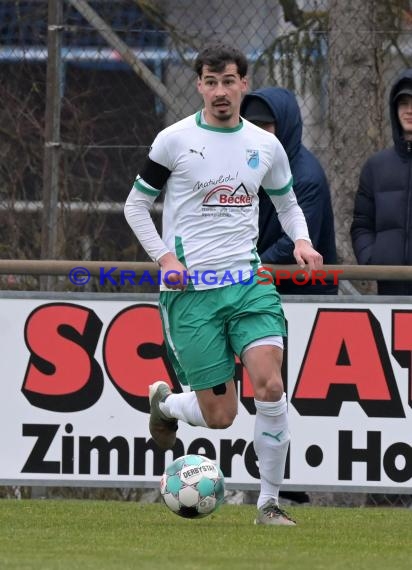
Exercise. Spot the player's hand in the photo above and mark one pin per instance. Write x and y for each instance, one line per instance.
(306, 255)
(174, 273)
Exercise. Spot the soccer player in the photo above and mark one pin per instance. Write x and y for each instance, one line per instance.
(211, 165)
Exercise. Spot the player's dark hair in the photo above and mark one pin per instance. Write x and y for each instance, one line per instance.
(217, 56)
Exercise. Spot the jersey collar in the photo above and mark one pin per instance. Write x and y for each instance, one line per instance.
(216, 129)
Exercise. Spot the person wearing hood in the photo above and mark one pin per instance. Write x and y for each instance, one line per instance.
(381, 229)
(276, 110)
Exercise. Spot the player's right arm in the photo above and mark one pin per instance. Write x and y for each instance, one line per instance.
(146, 189)
(173, 271)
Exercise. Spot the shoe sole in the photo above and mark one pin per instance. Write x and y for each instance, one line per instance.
(288, 523)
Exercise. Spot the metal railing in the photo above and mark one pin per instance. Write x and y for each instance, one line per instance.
(63, 267)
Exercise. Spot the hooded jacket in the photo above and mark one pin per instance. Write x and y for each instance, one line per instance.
(381, 229)
(310, 186)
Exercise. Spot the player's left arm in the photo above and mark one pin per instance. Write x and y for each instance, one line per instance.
(305, 254)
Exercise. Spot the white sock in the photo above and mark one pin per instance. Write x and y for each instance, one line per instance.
(271, 443)
(183, 407)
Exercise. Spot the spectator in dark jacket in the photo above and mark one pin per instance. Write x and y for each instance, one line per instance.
(275, 109)
(381, 229)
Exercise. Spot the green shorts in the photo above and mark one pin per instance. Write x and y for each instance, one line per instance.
(204, 330)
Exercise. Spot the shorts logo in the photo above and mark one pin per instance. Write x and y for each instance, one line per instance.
(252, 158)
(225, 195)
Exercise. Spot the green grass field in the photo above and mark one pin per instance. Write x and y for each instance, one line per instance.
(106, 535)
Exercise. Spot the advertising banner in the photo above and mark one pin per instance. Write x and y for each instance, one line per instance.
(75, 371)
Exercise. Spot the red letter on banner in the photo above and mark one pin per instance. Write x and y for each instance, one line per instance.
(135, 355)
(347, 360)
(62, 374)
(402, 343)
(244, 386)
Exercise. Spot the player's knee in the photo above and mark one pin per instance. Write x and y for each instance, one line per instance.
(270, 391)
(219, 423)
(220, 419)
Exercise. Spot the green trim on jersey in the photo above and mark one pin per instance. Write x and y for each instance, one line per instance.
(180, 254)
(256, 261)
(216, 129)
(139, 185)
(280, 191)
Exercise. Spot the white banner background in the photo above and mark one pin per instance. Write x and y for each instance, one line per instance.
(111, 416)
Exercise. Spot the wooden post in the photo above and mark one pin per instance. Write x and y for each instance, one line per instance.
(52, 143)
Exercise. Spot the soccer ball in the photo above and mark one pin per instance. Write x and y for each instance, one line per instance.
(192, 486)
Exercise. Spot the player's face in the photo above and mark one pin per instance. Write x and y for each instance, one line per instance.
(405, 115)
(222, 94)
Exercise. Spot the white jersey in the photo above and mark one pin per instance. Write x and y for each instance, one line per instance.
(210, 212)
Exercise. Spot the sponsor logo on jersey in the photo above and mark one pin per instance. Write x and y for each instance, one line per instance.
(225, 195)
(252, 158)
(199, 152)
(213, 182)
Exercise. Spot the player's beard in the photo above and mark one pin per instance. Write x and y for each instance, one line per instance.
(223, 115)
